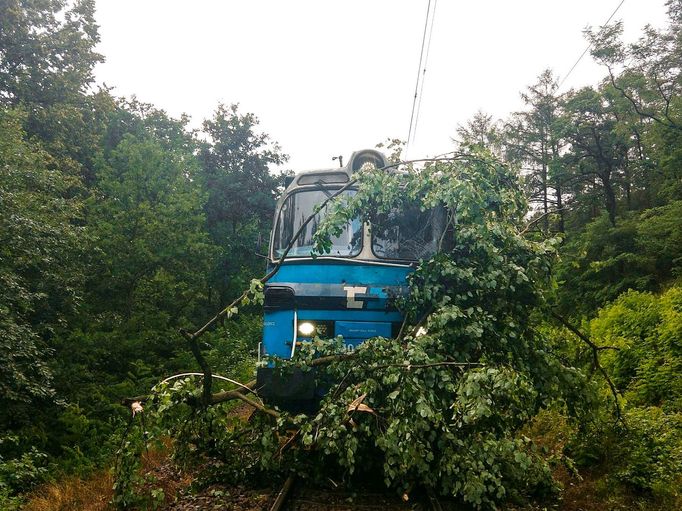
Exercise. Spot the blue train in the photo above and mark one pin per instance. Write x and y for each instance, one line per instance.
(348, 292)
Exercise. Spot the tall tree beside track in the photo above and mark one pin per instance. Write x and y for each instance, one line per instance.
(237, 169)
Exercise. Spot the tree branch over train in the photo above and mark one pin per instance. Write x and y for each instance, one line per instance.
(428, 371)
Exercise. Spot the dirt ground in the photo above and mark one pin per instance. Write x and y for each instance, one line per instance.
(301, 499)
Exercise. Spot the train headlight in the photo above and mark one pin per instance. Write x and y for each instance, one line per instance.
(306, 328)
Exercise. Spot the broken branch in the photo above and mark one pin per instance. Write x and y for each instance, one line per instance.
(595, 359)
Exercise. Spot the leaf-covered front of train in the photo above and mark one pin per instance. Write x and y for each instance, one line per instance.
(326, 299)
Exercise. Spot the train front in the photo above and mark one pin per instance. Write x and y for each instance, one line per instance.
(348, 292)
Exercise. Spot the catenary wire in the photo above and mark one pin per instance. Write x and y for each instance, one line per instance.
(426, 60)
(589, 45)
(419, 68)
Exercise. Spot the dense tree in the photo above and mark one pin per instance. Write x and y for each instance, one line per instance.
(46, 51)
(598, 150)
(480, 131)
(533, 139)
(645, 328)
(646, 452)
(40, 268)
(642, 252)
(648, 77)
(237, 169)
(47, 57)
(647, 73)
(148, 219)
(119, 225)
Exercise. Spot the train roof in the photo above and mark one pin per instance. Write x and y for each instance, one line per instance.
(337, 175)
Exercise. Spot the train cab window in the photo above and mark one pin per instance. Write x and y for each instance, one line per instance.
(329, 177)
(409, 234)
(294, 212)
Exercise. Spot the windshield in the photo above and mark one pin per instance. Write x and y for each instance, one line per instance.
(408, 235)
(296, 210)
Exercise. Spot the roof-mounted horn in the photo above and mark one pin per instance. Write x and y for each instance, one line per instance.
(360, 158)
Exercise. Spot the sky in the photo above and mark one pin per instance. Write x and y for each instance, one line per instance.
(326, 78)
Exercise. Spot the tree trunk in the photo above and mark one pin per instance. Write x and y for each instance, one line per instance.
(545, 207)
(560, 208)
(558, 188)
(610, 196)
(628, 186)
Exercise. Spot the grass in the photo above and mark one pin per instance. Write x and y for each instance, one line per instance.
(74, 493)
(95, 492)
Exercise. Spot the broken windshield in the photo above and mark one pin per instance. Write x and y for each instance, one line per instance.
(409, 235)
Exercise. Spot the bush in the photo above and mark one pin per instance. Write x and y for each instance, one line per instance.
(23, 472)
(643, 453)
(647, 330)
(650, 454)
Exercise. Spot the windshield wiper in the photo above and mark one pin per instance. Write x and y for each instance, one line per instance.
(319, 185)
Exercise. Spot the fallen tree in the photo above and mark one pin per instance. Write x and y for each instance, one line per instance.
(442, 406)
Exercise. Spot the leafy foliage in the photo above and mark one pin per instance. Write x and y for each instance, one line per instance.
(647, 330)
(120, 225)
(644, 452)
(641, 253)
(39, 268)
(235, 166)
(443, 408)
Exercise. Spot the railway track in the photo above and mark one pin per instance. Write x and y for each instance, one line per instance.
(287, 500)
(283, 494)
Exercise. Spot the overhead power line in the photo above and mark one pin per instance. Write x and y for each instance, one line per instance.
(421, 71)
(426, 59)
(589, 45)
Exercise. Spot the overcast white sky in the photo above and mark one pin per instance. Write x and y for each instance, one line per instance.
(330, 77)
